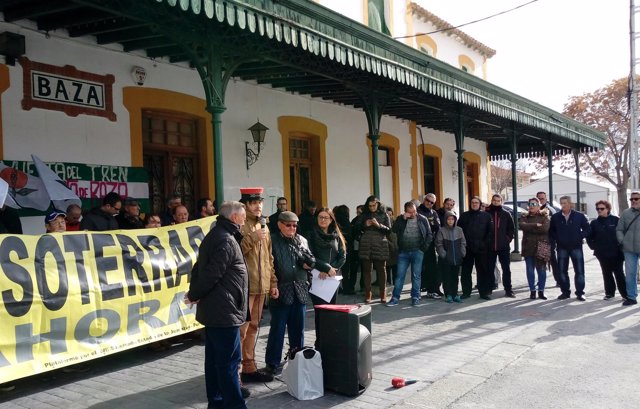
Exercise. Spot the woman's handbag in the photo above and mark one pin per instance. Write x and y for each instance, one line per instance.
(543, 251)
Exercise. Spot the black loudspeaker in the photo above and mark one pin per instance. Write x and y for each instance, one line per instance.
(343, 337)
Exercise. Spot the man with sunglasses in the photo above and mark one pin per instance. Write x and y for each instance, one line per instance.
(568, 229)
(430, 277)
(604, 243)
(103, 218)
(628, 234)
(292, 259)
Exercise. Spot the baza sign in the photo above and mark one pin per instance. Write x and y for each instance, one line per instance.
(67, 89)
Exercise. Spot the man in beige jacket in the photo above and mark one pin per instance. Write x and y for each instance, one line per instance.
(256, 248)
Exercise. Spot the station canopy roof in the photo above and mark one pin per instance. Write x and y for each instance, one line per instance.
(305, 48)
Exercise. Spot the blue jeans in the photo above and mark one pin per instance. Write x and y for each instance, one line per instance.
(406, 258)
(577, 260)
(530, 262)
(284, 317)
(221, 359)
(631, 273)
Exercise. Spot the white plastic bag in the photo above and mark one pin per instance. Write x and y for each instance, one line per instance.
(303, 375)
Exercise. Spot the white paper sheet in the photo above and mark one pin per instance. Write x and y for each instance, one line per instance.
(326, 288)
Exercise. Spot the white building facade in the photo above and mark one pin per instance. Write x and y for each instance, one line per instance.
(155, 116)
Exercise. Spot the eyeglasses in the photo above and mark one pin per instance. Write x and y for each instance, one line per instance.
(534, 204)
(635, 199)
(290, 225)
(324, 218)
(601, 208)
(429, 201)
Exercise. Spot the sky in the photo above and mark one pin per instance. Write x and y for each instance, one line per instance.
(548, 50)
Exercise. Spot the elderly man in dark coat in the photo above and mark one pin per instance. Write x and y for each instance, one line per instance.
(477, 227)
(220, 286)
(291, 259)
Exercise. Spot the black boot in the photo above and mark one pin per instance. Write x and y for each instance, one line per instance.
(541, 295)
(533, 295)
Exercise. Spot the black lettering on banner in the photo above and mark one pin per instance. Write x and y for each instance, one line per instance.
(3, 361)
(82, 333)
(133, 259)
(26, 339)
(157, 255)
(135, 315)
(196, 235)
(77, 244)
(176, 312)
(48, 245)
(180, 255)
(17, 274)
(110, 291)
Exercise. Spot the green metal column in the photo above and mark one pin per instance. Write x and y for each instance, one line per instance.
(374, 163)
(216, 121)
(215, 78)
(514, 186)
(459, 135)
(576, 158)
(549, 146)
(373, 108)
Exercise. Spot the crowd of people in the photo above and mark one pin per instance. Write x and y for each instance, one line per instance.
(441, 248)
(248, 261)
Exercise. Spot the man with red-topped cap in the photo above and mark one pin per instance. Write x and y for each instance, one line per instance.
(256, 248)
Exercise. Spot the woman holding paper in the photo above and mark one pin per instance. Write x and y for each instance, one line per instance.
(328, 246)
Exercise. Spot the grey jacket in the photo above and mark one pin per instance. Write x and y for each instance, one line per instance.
(630, 241)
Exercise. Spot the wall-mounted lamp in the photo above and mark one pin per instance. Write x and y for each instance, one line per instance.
(258, 132)
(11, 46)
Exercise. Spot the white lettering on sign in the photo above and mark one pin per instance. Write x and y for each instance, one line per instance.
(67, 90)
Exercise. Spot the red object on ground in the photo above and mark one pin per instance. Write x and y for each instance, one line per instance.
(401, 382)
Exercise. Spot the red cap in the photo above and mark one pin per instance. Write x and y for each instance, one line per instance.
(251, 193)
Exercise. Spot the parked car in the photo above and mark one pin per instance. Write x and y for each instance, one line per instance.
(509, 207)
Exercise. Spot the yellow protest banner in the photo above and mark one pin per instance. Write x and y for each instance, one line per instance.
(71, 297)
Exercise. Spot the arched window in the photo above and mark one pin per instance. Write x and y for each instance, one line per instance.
(466, 64)
(427, 45)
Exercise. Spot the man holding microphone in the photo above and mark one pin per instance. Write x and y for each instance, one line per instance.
(256, 248)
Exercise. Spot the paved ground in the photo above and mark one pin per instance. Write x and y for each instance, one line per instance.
(502, 353)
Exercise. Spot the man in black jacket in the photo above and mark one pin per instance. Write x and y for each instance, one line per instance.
(220, 286)
(291, 259)
(477, 227)
(431, 276)
(103, 218)
(503, 230)
(129, 217)
(414, 238)
(281, 206)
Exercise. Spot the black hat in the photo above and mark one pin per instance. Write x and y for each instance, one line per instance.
(288, 217)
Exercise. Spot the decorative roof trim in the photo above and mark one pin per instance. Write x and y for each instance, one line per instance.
(443, 25)
(304, 25)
